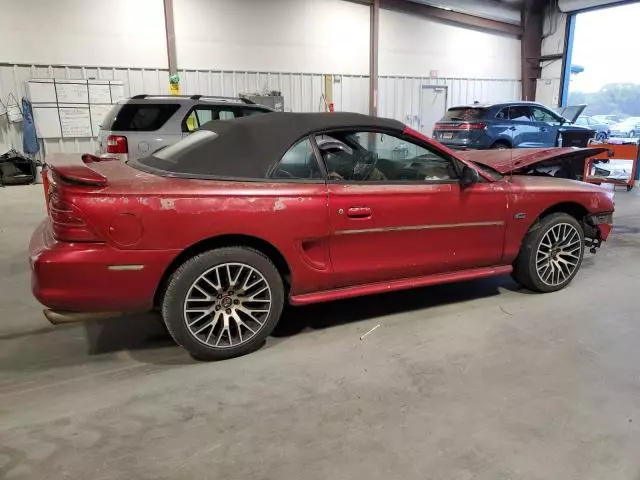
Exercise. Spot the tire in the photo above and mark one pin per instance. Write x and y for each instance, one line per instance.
(218, 318)
(534, 248)
(632, 134)
(601, 136)
(500, 145)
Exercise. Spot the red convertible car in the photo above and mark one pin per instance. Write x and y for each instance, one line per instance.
(221, 229)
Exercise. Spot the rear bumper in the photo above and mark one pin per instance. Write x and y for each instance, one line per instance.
(93, 277)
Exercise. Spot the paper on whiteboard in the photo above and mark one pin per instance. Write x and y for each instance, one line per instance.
(47, 122)
(117, 93)
(41, 91)
(99, 93)
(69, 92)
(75, 121)
(98, 113)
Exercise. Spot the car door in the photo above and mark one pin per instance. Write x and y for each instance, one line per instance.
(409, 216)
(547, 124)
(524, 132)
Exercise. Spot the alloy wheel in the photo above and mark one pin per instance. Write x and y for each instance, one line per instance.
(559, 254)
(227, 305)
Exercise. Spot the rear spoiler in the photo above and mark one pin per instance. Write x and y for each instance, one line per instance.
(75, 168)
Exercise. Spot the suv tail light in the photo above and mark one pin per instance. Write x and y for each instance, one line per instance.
(67, 222)
(461, 126)
(117, 144)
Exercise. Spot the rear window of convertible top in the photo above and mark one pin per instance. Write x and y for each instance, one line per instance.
(204, 154)
(177, 157)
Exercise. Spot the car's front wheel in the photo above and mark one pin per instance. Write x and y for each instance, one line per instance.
(223, 303)
(551, 254)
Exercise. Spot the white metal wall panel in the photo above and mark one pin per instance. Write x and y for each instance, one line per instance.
(306, 36)
(83, 32)
(491, 9)
(399, 97)
(302, 92)
(415, 46)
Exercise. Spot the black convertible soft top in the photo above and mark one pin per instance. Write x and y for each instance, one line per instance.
(247, 147)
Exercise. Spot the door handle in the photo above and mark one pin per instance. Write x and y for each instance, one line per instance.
(512, 128)
(359, 212)
(543, 129)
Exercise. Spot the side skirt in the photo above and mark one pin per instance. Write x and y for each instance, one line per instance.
(402, 284)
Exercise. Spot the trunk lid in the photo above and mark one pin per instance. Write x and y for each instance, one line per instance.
(508, 161)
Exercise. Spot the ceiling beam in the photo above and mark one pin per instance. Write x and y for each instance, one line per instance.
(427, 11)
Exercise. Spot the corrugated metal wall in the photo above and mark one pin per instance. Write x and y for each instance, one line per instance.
(400, 97)
(302, 92)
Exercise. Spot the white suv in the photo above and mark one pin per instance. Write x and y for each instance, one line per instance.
(143, 124)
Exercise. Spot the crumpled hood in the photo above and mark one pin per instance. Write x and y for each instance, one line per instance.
(510, 160)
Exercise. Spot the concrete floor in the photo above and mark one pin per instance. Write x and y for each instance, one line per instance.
(470, 381)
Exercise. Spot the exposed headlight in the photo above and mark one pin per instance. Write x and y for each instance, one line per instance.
(602, 219)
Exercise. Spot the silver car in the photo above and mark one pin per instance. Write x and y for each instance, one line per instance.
(627, 128)
(143, 124)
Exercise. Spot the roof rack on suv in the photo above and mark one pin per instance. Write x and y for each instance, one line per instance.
(198, 97)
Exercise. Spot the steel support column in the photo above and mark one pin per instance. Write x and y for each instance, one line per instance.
(531, 47)
(172, 56)
(373, 57)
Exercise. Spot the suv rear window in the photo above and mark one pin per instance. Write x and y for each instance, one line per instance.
(143, 117)
(464, 114)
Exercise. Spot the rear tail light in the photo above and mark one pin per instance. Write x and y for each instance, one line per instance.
(461, 126)
(67, 222)
(117, 144)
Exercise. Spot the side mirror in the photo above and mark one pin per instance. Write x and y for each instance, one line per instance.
(469, 177)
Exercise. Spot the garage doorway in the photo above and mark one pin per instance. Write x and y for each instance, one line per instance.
(433, 105)
(602, 71)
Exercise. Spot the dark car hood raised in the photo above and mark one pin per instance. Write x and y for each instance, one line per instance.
(508, 161)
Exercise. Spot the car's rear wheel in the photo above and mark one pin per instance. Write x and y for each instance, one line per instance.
(551, 254)
(601, 136)
(632, 134)
(223, 303)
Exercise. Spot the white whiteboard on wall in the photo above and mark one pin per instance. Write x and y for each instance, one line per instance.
(99, 93)
(72, 108)
(47, 122)
(41, 91)
(75, 122)
(72, 92)
(98, 112)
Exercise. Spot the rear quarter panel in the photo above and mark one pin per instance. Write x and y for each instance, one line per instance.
(532, 196)
(175, 214)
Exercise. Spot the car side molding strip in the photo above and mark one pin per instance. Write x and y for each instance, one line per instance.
(420, 227)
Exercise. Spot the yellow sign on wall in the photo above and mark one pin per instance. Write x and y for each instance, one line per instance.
(174, 88)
